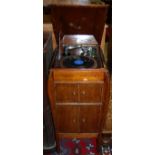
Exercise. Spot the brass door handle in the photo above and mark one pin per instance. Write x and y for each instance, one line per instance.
(74, 93)
(83, 120)
(83, 92)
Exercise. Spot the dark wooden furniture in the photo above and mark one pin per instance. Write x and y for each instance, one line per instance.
(79, 20)
(79, 97)
(76, 17)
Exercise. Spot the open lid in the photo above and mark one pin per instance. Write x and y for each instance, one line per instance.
(79, 40)
(78, 19)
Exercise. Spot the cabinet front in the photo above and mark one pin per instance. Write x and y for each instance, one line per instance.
(66, 93)
(90, 93)
(82, 117)
(67, 119)
(90, 118)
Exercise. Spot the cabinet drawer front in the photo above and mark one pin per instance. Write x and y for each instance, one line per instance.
(90, 118)
(67, 119)
(90, 93)
(78, 74)
(66, 93)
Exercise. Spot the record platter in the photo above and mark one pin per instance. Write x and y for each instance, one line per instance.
(78, 62)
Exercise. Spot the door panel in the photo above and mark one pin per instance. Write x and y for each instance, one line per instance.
(90, 93)
(66, 93)
(90, 117)
(67, 119)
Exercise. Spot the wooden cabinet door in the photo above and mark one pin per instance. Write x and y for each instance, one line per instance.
(90, 117)
(90, 93)
(66, 93)
(67, 119)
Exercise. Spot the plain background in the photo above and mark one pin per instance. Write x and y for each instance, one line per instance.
(21, 78)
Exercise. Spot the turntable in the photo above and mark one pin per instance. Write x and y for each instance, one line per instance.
(78, 51)
(78, 62)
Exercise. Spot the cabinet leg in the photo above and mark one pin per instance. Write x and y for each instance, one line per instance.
(57, 144)
(104, 139)
(98, 142)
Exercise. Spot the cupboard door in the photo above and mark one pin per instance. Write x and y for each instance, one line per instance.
(90, 117)
(66, 93)
(67, 119)
(90, 93)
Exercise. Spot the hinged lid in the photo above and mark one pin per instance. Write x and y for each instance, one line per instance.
(79, 40)
(78, 19)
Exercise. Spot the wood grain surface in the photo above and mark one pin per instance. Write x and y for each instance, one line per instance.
(77, 74)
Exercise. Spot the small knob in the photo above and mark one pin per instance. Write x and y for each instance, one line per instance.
(83, 92)
(74, 120)
(74, 93)
(83, 120)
